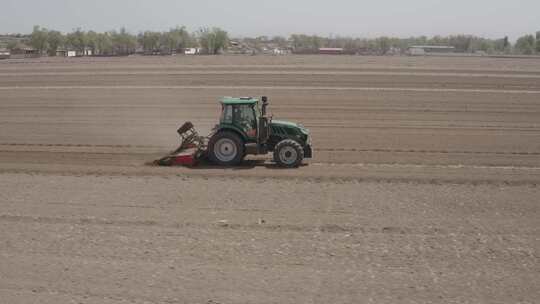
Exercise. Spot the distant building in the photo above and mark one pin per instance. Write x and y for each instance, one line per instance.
(331, 51)
(25, 52)
(67, 53)
(420, 50)
(5, 54)
(61, 53)
(192, 51)
(280, 51)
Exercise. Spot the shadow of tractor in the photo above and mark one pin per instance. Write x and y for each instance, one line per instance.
(247, 164)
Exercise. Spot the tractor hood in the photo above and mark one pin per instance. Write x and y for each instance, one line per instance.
(289, 125)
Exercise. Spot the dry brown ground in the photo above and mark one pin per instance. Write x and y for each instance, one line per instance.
(424, 185)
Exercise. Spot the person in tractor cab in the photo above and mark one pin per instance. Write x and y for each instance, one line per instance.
(245, 117)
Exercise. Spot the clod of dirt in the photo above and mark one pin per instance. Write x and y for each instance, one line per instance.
(332, 228)
(223, 223)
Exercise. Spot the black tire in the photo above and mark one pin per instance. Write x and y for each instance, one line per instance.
(288, 153)
(231, 152)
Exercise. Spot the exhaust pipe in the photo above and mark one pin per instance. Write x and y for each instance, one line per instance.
(264, 105)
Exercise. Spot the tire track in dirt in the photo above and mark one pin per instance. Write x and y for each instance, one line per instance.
(425, 151)
(310, 88)
(373, 173)
(77, 145)
(399, 165)
(312, 125)
(259, 67)
(360, 150)
(325, 228)
(296, 72)
(60, 295)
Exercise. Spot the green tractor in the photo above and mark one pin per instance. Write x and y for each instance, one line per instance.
(245, 128)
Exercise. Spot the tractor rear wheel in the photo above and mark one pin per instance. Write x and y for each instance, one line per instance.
(226, 149)
(288, 153)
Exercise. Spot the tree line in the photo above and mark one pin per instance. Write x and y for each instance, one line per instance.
(122, 42)
(526, 45)
(215, 40)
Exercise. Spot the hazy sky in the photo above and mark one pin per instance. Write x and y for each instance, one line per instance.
(489, 18)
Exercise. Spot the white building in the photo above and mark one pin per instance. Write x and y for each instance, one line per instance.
(192, 51)
(4, 54)
(279, 51)
(419, 50)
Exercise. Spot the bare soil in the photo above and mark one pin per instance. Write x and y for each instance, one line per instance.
(423, 188)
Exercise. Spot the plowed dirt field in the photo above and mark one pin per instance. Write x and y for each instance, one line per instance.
(423, 187)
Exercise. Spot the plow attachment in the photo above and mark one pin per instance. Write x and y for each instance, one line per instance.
(192, 148)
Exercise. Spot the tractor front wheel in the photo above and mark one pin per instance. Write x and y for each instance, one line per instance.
(226, 149)
(288, 153)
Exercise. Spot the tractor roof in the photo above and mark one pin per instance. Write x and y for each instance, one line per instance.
(238, 100)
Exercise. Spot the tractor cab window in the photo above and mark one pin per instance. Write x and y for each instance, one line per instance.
(244, 118)
(227, 114)
(244, 115)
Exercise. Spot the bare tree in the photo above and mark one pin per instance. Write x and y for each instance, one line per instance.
(12, 45)
(525, 45)
(538, 42)
(124, 43)
(55, 39)
(92, 41)
(150, 41)
(214, 40)
(38, 39)
(77, 40)
(176, 39)
(104, 44)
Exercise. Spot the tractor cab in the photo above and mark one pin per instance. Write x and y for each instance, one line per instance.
(247, 117)
(241, 114)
